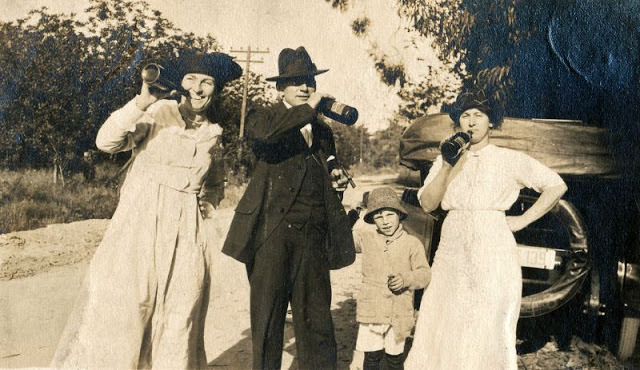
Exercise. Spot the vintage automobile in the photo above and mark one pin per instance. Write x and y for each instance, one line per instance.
(585, 253)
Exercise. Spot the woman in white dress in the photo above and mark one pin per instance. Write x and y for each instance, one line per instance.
(469, 312)
(145, 297)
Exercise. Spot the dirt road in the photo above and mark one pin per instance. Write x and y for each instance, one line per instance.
(36, 299)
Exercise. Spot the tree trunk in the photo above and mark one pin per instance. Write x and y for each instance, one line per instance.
(55, 172)
(61, 174)
(57, 169)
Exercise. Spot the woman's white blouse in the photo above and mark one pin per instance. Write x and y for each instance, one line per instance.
(491, 179)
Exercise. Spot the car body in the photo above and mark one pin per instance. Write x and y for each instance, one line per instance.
(586, 250)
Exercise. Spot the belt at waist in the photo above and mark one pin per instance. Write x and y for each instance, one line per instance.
(177, 178)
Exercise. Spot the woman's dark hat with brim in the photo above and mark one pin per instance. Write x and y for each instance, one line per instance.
(469, 100)
(295, 63)
(383, 198)
(220, 66)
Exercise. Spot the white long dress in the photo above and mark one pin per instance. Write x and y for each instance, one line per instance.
(145, 296)
(469, 312)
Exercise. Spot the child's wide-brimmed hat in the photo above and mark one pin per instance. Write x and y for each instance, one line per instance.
(382, 198)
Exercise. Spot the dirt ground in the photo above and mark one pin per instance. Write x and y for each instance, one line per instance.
(41, 270)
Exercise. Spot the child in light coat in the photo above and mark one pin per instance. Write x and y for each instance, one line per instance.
(393, 266)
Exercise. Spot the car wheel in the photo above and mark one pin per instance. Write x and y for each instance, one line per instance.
(628, 337)
(574, 266)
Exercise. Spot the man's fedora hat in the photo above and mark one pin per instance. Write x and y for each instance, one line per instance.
(295, 63)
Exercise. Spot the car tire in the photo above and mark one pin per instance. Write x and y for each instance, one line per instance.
(578, 266)
(628, 337)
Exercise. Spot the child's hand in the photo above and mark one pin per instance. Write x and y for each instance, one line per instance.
(206, 208)
(395, 282)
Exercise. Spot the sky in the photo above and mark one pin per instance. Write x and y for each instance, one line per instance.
(276, 24)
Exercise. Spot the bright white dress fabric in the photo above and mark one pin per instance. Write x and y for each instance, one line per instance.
(469, 311)
(146, 293)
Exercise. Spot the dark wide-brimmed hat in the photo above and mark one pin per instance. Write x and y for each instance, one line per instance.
(479, 100)
(381, 198)
(295, 63)
(469, 100)
(220, 66)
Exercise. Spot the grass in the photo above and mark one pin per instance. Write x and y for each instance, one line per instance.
(29, 199)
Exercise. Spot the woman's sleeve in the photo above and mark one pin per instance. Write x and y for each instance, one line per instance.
(433, 171)
(420, 274)
(213, 186)
(118, 132)
(530, 173)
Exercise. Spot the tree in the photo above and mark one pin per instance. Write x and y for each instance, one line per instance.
(348, 141)
(486, 40)
(40, 110)
(384, 146)
(419, 96)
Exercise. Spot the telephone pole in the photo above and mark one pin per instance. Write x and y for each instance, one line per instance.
(245, 89)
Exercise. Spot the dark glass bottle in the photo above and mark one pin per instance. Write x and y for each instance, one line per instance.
(452, 147)
(155, 75)
(339, 112)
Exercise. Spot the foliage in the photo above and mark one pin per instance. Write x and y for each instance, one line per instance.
(349, 140)
(360, 26)
(390, 73)
(239, 158)
(40, 115)
(419, 96)
(544, 59)
(384, 146)
(341, 5)
(483, 38)
(358, 148)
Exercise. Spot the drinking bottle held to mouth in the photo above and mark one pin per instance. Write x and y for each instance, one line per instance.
(155, 75)
(455, 145)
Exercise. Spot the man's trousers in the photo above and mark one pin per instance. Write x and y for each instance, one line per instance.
(291, 266)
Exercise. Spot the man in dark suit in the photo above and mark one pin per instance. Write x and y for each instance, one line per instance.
(290, 227)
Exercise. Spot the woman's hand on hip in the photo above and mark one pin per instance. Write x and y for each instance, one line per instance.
(517, 223)
(206, 208)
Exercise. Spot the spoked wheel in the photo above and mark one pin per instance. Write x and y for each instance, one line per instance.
(554, 256)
